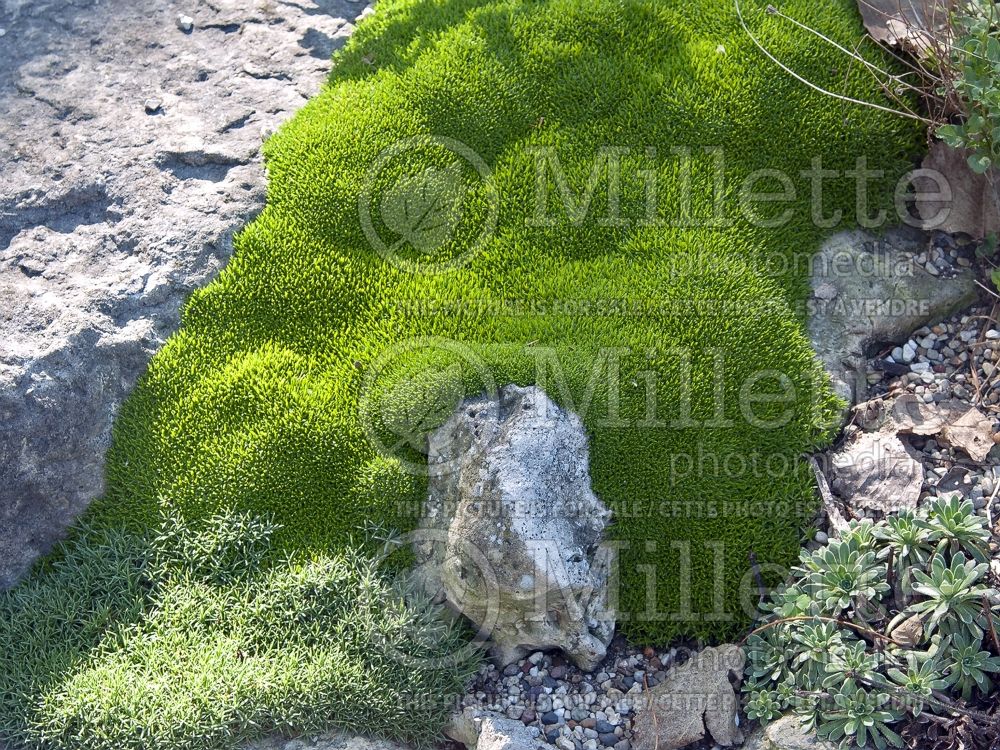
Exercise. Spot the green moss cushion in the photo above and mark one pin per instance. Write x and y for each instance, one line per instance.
(427, 236)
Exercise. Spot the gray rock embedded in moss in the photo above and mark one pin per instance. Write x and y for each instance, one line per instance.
(113, 210)
(512, 532)
(785, 733)
(868, 291)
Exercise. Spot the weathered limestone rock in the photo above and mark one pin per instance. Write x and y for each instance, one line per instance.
(694, 698)
(487, 730)
(785, 733)
(501, 733)
(325, 741)
(464, 726)
(868, 291)
(131, 155)
(512, 533)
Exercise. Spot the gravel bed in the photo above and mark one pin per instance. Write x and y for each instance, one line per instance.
(573, 709)
(956, 359)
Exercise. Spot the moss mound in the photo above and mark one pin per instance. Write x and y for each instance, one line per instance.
(179, 639)
(427, 237)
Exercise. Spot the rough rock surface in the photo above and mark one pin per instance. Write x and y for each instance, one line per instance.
(464, 726)
(326, 741)
(487, 730)
(500, 733)
(785, 733)
(697, 697)
(868, 291)
(131, 153)
(512, 531)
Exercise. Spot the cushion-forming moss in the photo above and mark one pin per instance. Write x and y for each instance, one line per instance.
(304, 376)
(177, 639)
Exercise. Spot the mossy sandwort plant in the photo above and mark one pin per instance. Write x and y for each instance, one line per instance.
(410, 254)
(362, 305)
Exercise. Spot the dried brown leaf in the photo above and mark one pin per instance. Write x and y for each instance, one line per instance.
(833, 511)
(912, 416)
(955, 422)
(695, 699)
(907, 634)
(972, 208)
(972, 432)
(876, 471)
(909, 24)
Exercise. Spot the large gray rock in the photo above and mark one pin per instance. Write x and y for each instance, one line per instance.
(512, 532)
(868, 291)
(786, 733)
(501, 733)
(131, 155)
(488, 730)
(325, 741)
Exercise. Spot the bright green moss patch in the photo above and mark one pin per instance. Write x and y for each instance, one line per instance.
(428, 236)
(300, 384)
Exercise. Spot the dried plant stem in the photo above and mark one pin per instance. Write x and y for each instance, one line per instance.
(941, 701)
(815, 87)
(799, 618)
(850, 53)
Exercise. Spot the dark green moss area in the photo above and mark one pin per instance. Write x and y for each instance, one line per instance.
(305, 378)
